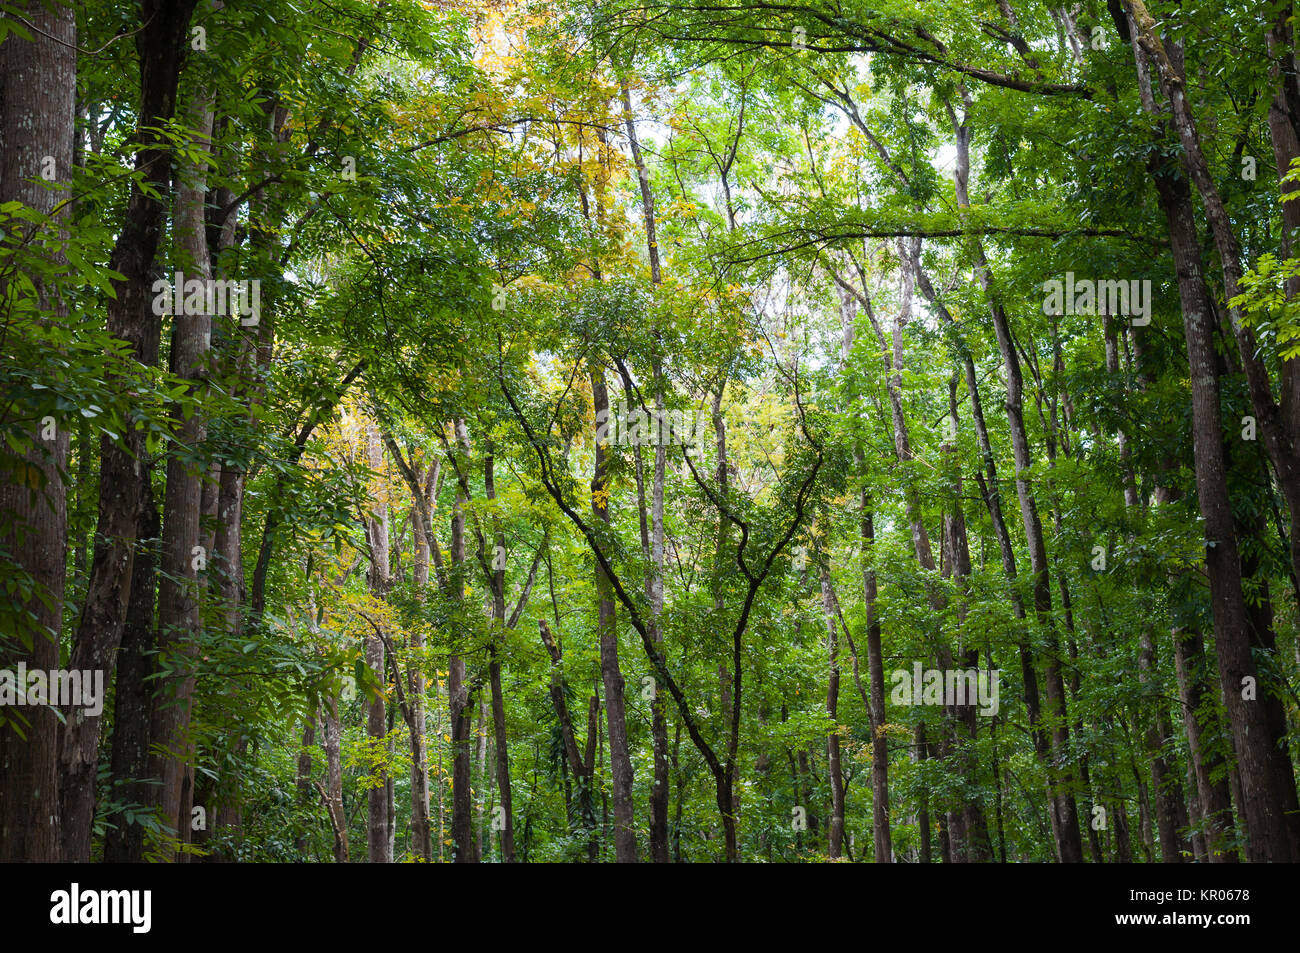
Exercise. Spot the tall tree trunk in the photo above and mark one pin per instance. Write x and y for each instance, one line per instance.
(421, 835)
(577, 763)
(333, 789)
(920, 752)
(611, 677)
(884, 851)
(484, 781)
(1227, 603)
(1213, 795)
(991, 493)
(1164, 781)
(460, 695)
(377, 843)
(233, 344)
(1171, 813)
(494, 672)
(304, 789)
(1064, 808)
(1065, 820)
(654, 577)
(728, 701)
(835, 833)
(423, 496)
(893, 356)
(183, 557)
(975, 844)
(161, 43)
(1259, 615)
(37, 111)
(133, 694)
(1284, 131)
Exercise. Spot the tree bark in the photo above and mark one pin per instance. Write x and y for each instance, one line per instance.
(421, 834)
(1214, 797)
(133, 693)
(655, 543)
(304, 788)
(835, 833)
(497, 645)
(974, 844)
(611, 676)
(38, 79)
(1170, 809)
(459, 694)
(578, 763)
(183, 557)
(333, 790)
(377, 843)
(161, 46)
(884, 852)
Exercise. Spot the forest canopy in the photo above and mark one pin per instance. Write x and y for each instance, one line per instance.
(649, 430)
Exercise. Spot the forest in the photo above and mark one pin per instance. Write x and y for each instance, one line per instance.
(662, 431)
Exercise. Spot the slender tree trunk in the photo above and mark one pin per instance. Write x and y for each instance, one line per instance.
(1200, 853)
(1065, 820)
(460, 699)
(1284, 131)
(577, 763)
(484, 780)
(835, 833)
(183, 557)
(991, 493)
(304, 789)
(975, 841)
(377, 843)
(884, 851)
(421, 835)
(333, 792)
(133, 693)
(494, 675)
(1165, 783)
(1213, 795)
(728, 678)
(234, 349)
(997, 790)
(920, 752)
(654, 579)
(611, 677)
